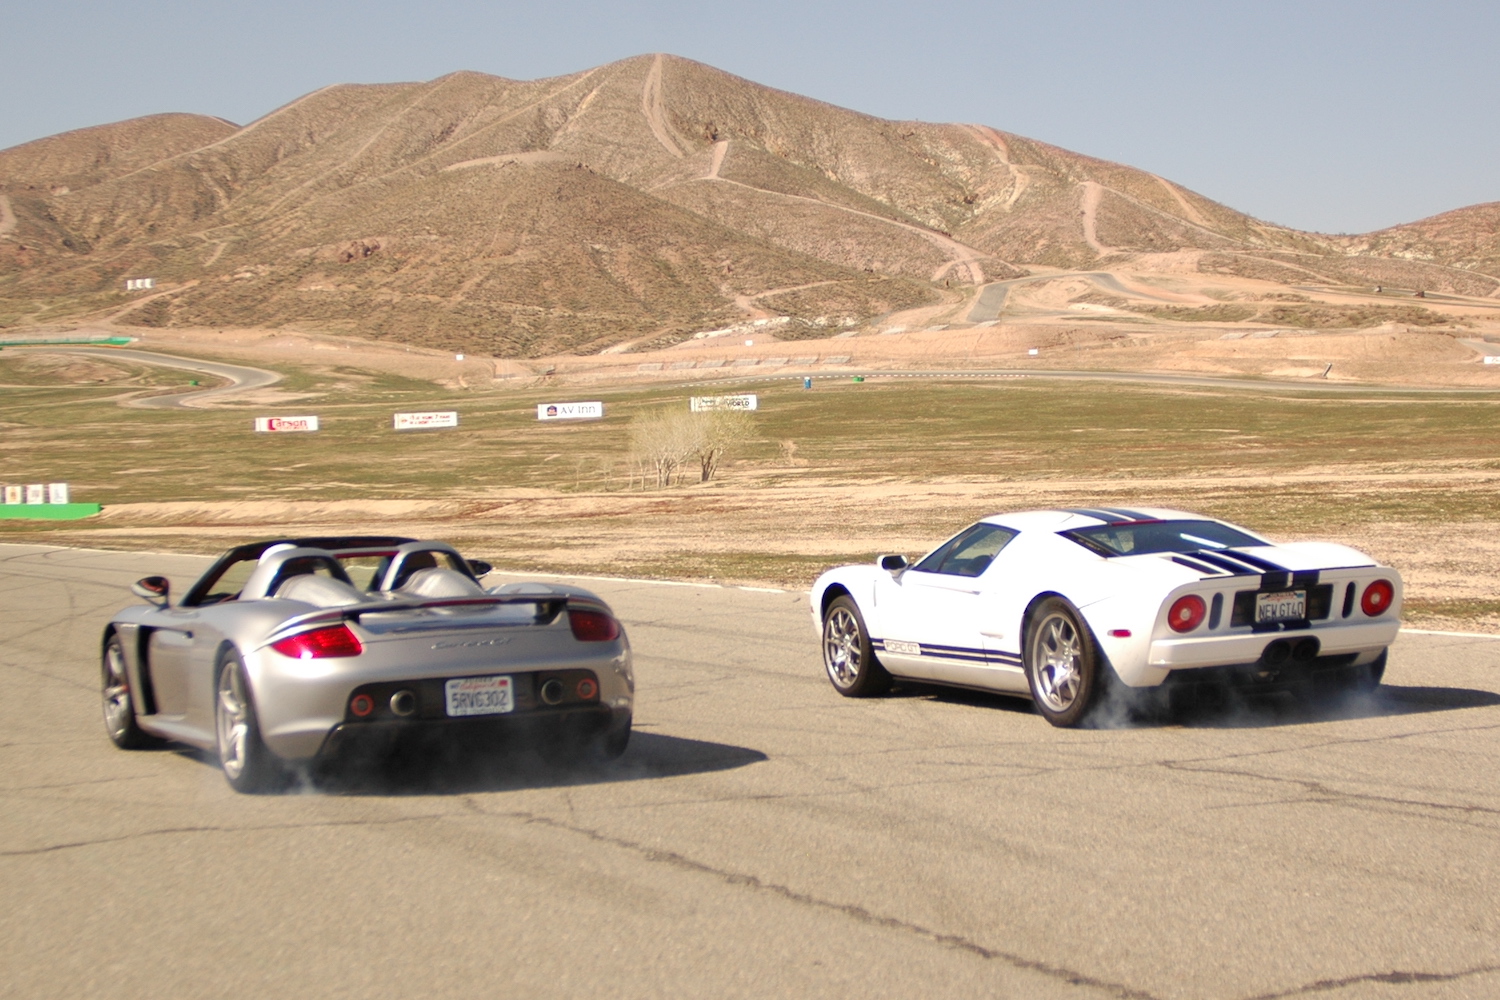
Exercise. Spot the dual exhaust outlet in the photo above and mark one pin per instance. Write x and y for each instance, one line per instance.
(1281, 651)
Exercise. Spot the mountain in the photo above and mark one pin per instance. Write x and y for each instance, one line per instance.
(634, 202)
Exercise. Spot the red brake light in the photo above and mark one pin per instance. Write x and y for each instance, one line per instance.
(592, 626)
(334, 640)
(1377, 598)
(1187, 613)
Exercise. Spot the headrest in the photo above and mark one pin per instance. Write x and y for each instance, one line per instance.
(440, 583)
(319, 591)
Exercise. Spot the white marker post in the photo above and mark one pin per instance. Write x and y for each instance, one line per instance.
(422, 421)
(273, 425)
(570, 411)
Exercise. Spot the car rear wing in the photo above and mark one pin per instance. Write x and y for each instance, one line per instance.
(548, 607)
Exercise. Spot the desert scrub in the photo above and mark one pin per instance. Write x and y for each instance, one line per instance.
(1225, 313)
(1353, 317)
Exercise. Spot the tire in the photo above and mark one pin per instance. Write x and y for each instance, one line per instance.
(248, 764)
(847, 656)
(1063, 665)
(120, 721)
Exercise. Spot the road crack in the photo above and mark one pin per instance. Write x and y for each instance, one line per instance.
(1398, 978)
(212, 828)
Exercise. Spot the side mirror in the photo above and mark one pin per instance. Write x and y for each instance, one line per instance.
(153, 588)
(893, 564)
(480, 568)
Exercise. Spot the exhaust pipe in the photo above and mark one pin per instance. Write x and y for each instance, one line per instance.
(403, 703)
(1305, 650)
(1276, 653)
(553, 692)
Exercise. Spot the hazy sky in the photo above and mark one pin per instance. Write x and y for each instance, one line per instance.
(1331, 116)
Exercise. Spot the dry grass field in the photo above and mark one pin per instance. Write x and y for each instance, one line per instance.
(837, 473)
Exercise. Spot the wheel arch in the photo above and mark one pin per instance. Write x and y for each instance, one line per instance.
(832, 593)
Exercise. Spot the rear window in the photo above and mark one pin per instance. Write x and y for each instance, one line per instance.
(1160, 536)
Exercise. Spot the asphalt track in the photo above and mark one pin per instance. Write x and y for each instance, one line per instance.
(761, 837)
(241, 377)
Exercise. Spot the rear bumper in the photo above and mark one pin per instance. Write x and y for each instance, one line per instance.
(406, 736)
(1250, 647)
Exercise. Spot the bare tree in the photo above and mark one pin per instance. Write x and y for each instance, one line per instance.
(664, 442)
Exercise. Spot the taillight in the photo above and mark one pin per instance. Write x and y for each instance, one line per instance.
(1187, 613)
(1377, 598)
(335, 640)
(593, 626)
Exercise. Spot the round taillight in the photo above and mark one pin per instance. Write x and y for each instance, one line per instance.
(1377, 598)
(361, 705)
(587, 688)
(593, 626)
(1187, 613)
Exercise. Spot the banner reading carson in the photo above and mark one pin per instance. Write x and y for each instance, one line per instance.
(570, 411)
(284, 424)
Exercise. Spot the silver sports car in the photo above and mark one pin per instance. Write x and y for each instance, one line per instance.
(291, 651)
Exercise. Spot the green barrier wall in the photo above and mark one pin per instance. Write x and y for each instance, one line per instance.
(50, 511)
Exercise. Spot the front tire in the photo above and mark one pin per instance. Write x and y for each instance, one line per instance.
(119, 703)
(1063, 665)
(847, 656)
(248, 764)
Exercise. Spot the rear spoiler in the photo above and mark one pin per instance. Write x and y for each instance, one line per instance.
(548, 607)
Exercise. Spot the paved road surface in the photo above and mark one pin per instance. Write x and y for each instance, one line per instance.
(241, 377)
(762, 837)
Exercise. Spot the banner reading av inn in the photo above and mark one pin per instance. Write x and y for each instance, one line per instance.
(283, 424)
(570, 411)
(702, 404)
(417, 421)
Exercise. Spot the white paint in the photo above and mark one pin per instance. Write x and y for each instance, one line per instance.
(1457, 635)
(570, 411)
(1033, 352)
(458, 357)
(36, 493)
(139, 284)
(703, 404)
(57, 492)
(285, 424)
(749, 343)
(418, 421)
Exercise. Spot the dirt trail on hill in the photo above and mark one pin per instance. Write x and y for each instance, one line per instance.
(1092, 192)
(652, 107)
(1188, 210)
(720, 148)
(993, 139)
(966, 257)
(7, 217)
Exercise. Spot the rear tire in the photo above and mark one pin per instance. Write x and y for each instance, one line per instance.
(249, 765)
(1063, 665)
(847, 656)
(119, 702)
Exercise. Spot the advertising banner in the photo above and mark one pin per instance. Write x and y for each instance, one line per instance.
(36, 493)
(283, 424)
(57, 493)
(15, 494)
(418, 421)
(1490, 359)
(702, 404)
(569, 411)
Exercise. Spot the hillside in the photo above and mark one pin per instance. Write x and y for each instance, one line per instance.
(635, 202)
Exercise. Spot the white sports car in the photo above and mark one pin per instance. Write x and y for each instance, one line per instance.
(1067, 606)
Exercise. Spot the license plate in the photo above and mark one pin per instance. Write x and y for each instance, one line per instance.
(1286, 605)
(479, 696)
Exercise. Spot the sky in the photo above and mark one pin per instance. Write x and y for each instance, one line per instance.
(1326, 116)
